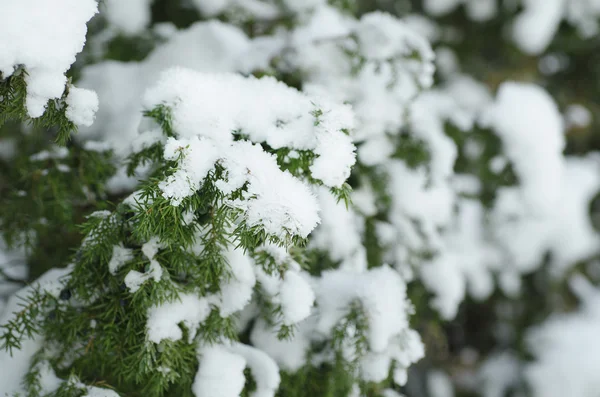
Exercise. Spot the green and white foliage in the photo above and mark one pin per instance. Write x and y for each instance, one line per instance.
(272, 198)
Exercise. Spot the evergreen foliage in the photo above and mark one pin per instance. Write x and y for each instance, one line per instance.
(288, 198)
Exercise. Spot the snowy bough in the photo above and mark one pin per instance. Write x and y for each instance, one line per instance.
(277, 202)
(198, 282)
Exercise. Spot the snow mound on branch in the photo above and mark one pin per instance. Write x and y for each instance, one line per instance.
(129, 17)
(44, 36)
(221, 371)
(210, 46)
(536, 26)
(217, 105)
(530, 125)
(82, 106)
(567, 350)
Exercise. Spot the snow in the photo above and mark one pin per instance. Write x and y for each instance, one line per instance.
(382, 294)
(290, 354)
(440, 7)
(264, 370)
(533, 141)
(209, 46)
(120, 256)
(382, 37)
(383, 87)
(134, 279)
(296, 298)
(221, 373)
(82, 106)
(236, 291)
(163, 320)
(535, 27)
(128, 17)
(566, 349)
(151, 247)
(292, 293)
(577, 116)
(55, 152)
(32, 38)
(339, 233)
(14, 367)
(289, 210)
(196, 158)
(93, 391)
(264, 109)
(439, 384)
(498, 373)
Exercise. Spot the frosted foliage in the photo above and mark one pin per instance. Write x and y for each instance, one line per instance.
(279, 116)
(382, 293)
(339, 232)
(382, 88)
(16, 365)
(263, 109)
(46, 51)
(120, 256)
(291, 209)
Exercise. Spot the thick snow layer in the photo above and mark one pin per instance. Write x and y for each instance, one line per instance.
(263, 109)
(221, 373)
(290, 354)
(535, 27)
(209, 46)
(296, 298)
(389, 79)
(266, 111)
(339, 233)
(264, 370)
(530, 125)
(82, 106)
(127, 16)
(382, 293)
(163, 320)
(236, 291)
(292, 294)
(44, 36)
(567, 350)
